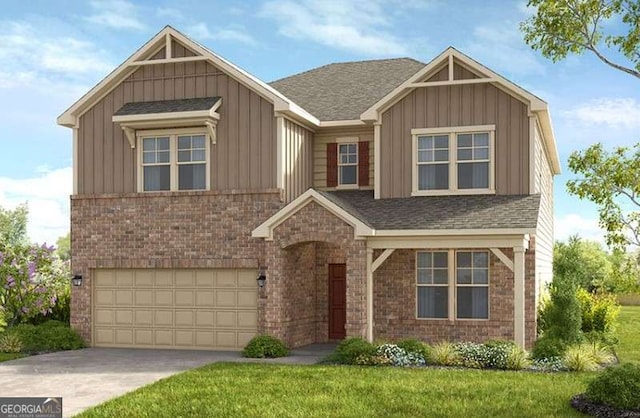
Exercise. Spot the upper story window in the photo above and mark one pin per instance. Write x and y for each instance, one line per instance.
(173, 160)
(348, 164)
(453, 160)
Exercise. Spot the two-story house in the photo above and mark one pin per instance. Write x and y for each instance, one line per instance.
(383, 199)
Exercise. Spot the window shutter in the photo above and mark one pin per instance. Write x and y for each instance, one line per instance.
(332, 165)
(363, 163)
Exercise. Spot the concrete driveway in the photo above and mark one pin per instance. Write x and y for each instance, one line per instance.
(91, 376)
(88, 377)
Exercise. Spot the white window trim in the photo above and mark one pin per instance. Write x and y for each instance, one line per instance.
(453, 160)
(453, 286)
(173, 157)
(348, 141)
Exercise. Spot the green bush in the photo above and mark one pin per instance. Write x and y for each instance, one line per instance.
(547, 347)
(579, 358)
(444, 354)
(491, 355)
(265, 346)
(10, 343)
(411, 345)
(61, 311)
(617, 386)
(599, 312)
(46, 337)
(352, 351)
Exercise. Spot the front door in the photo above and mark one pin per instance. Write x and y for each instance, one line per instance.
(337, 301)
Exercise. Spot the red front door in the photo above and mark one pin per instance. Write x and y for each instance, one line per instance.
(337, 301)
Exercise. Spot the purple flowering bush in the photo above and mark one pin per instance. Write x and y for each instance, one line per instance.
(31, 278)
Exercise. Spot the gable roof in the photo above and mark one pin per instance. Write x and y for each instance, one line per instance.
(342, 91)
(135, 61)
(536, 105)
(440, 212)
(166, 106)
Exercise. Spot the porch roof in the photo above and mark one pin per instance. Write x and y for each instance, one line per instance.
(439, 212)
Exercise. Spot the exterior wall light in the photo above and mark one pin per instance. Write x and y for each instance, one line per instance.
(262, 277)
(76, 280)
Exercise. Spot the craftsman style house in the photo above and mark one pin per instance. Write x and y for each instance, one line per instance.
(383, 199)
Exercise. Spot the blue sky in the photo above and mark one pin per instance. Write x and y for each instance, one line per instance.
(53, 52)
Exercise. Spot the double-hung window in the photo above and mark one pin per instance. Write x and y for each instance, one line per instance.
(173, 161)
(458, 160)
(452, 284)
(432, 282)
(348, 164)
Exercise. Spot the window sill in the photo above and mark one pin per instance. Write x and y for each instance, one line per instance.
(452, 192)
(347, 187)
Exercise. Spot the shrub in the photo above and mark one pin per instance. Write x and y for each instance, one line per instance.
(517, 358)
(411, 345)
(351, 349)
(601, 353)
(578, 358)
(547, 347)
(399, 357)
(444, 354)
(3, 320)
(482, 356)
(617, 386)
(373, 360)
(599, 312)
(563, 316)
(61, 311)
(10, 343)
(49, 336)
(549, 364)
(265, 346)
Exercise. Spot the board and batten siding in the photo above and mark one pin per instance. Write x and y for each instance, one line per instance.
(543, 184)
(297, 159)
(243, 158)
(326, 136)
(453, 106)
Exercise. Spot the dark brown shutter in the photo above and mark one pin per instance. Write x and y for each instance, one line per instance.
(332, 165)
(363, 163)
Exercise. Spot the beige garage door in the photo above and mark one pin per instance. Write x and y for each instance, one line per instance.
(191, 309)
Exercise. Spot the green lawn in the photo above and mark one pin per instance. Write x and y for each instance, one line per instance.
(228, 389)
(9, 356)
(629, 334)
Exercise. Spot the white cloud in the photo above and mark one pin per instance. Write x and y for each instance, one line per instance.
(230, 33)
(360, 26)
(501, 47)
(116, 14)
(47, 195)
(612, 112)
(577, 224)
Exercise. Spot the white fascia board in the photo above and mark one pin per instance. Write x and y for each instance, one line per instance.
(165, 116)
(544, 118)
(450, 232)
(265, 230)
(340, 123)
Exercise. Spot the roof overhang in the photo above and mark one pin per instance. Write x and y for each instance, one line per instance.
(536, 105)
(404, 238)
(281, 103)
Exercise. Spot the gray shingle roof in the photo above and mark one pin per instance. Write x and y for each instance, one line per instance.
(440, 212)
(166, 106)
(345, 90)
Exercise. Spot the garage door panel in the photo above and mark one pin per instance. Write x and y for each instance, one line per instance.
(185, 298)
(185, 318)
(104, 297)
(203, 309)
(247, 298)
(124, 279)
(163, 318)
(124, 297)
(248, 319)
(226, 278)
(163, 297)
(124, 317)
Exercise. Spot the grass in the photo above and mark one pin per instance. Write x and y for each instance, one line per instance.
(231, 389)
(9, 356)
(628, 331)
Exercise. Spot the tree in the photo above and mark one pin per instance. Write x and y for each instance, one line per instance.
(612, 181)
(563, 27)
(13, 225)
(63, 247)
(585, 262)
